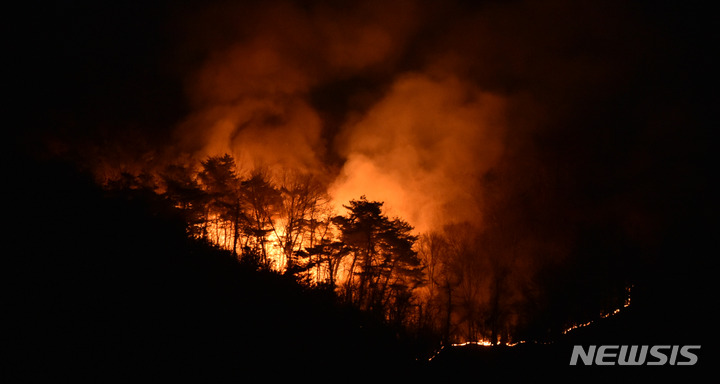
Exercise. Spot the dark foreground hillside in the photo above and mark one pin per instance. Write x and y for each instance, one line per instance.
(110, 288)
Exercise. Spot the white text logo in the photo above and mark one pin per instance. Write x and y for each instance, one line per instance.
(635, 355)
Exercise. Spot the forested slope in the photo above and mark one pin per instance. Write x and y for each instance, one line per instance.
(111, 286)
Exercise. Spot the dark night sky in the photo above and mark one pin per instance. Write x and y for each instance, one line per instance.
(78, 63)
(124, 61)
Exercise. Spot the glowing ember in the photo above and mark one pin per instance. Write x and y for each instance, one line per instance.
(485, 343)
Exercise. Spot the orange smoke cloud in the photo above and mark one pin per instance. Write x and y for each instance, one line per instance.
(422, 149)
(420, 142)
(251, 94)
(267, 133)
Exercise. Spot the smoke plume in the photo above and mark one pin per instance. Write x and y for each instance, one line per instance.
(252, 94)
(422, 149)
(408, 131)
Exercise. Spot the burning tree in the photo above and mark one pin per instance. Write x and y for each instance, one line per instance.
(223, 206)
(436, 255)
(305, 220)
(269, 218)
(181, 188)
(384, 269)
(262, 202)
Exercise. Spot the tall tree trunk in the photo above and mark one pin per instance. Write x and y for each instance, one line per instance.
(236, 230)
(448, 317)
(350, 280)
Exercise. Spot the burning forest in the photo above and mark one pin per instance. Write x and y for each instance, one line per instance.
(492, 173)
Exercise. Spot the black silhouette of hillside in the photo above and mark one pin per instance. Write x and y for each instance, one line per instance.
(111, 288)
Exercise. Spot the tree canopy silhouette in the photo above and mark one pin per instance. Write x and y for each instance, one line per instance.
(384, 268)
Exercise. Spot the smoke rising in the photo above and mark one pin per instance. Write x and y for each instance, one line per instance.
(252, 91)
(416, 136)
(423, 149)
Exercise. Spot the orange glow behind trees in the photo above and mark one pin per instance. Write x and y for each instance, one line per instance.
(458, 173)
(460, 282)
(286, 224)
(251, 215)
(466, 126)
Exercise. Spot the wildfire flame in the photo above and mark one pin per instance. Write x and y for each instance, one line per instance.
(488, 343)
(603, 315)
